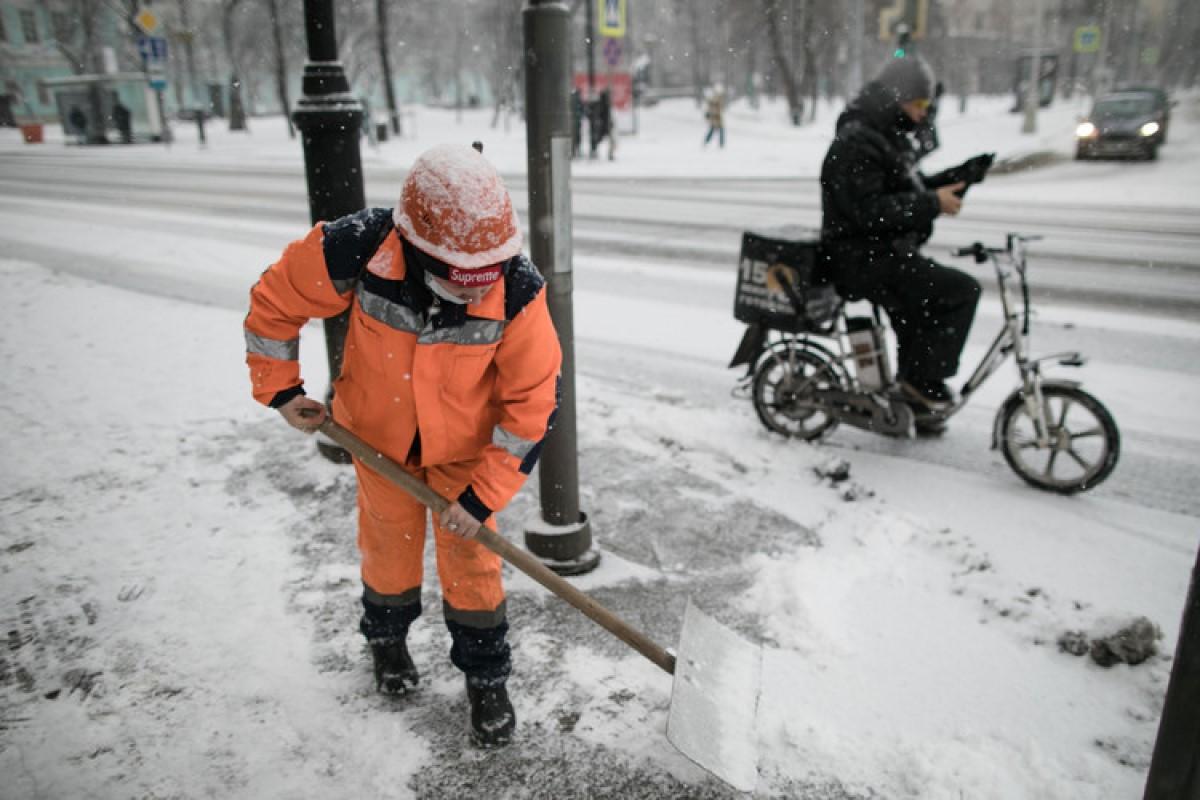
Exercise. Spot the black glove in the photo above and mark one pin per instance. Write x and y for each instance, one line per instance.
(973, 170)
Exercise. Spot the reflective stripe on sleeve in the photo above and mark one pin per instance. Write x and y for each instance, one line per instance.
(473, 331)
(278, 349)
(512, 443)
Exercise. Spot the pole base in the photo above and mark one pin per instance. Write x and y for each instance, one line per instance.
(576, 566)
(564, 549)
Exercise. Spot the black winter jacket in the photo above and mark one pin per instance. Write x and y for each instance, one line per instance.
(877, 208)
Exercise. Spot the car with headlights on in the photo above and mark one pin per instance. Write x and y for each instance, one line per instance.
(1123, 124)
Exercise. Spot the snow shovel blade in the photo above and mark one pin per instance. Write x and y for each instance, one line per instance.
(714, 699)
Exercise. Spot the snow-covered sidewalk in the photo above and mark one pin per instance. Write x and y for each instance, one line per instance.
(183, 585)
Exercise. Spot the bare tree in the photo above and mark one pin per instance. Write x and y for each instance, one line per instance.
(822, 30)
(501, 53)
(1181, 60)
(776, 17)
(237, 108)
(281, 65)
(385, 64)
(79, 44)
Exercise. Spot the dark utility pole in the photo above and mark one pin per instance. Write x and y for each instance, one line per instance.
(385, 64)
(329, 118)
(589, 36)
(563, 538)
(1175, 765)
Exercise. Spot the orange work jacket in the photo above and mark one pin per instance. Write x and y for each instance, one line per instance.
(467, 383)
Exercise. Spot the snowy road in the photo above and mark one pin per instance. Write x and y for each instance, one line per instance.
(1119, 255)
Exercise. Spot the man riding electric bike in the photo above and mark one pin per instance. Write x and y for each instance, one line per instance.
(877, 212)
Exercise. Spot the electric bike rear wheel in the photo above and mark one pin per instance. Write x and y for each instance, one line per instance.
(1083, 443)
(783, 389)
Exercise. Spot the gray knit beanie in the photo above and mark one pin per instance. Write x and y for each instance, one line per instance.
(907, 79)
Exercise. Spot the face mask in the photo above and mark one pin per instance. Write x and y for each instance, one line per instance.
(442, 291)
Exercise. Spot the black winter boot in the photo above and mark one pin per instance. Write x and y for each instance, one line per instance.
(395, 673)
(492, 715)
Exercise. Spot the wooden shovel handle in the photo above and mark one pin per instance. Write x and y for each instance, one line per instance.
(514, 555)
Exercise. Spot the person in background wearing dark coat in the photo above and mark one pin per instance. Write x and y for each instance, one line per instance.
(877, 211)
(576, 122)
(600, 124)
(123, 120)
(78, 122)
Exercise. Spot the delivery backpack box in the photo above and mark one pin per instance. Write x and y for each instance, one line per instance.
(780, 285)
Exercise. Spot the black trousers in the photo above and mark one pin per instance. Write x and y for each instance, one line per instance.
(931, 308)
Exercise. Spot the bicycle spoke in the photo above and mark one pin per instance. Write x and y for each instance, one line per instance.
(1079, 460)
(1062, 417)
(1049, 473)
(1084, 434)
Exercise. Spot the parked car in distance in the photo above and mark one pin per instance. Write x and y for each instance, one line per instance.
(1129, 122)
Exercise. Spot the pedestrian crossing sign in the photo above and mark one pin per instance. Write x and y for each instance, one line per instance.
(612, 18)
(1087, 39)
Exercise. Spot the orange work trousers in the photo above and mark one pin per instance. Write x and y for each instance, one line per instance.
(391, 541)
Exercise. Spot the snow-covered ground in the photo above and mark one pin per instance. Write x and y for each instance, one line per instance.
(180, 579)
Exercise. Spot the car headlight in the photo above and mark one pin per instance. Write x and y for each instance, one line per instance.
(1149, 129)
(1086, 130)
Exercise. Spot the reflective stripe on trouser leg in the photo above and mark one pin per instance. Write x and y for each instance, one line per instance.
(391, 540)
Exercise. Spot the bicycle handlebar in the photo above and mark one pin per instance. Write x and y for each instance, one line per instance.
(981, 253)
(977, 250)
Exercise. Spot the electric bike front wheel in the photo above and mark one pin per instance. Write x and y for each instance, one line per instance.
(1082, 443)
(784, 389)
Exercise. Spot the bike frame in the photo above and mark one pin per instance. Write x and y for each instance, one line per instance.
(1013, 337)
(1009, 263)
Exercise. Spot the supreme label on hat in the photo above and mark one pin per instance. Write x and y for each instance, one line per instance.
(474, 277)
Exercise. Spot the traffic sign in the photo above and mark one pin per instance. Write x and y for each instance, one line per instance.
(612, 52)
(153, 50)
(913, 14)
(1087, 39)
(612, 18)
(147, 20)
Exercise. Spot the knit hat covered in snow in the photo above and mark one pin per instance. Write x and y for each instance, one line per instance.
(907, 79)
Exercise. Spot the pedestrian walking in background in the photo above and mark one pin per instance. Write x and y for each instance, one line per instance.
(600, 124)
(78, 122)
(714, 114)
(451, 367)
(123, 121)
(577, 114)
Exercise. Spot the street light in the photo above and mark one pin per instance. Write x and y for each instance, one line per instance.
(329, 118)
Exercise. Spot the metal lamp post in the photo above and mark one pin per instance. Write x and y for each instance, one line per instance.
(330, 119)
(563, 537)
